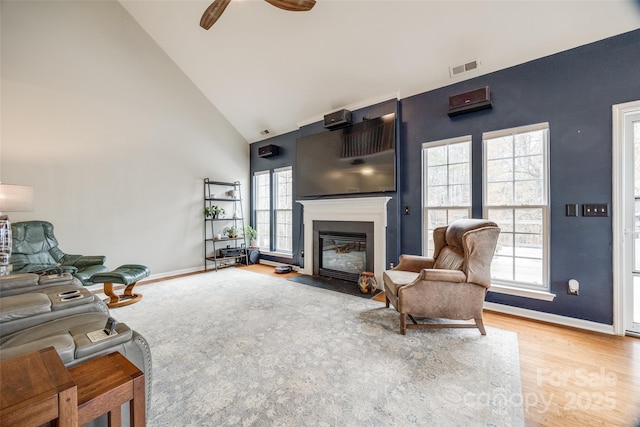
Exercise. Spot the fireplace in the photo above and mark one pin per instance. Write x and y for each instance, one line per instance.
(372, 210)
(343, 249)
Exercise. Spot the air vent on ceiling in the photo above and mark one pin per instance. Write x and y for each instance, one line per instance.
(455, 70)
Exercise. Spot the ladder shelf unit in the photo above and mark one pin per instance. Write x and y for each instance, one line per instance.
(222, 248)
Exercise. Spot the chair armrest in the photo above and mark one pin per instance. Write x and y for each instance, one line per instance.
(69, 269)
(37, 268)
(86, 261)
(16, 281)
(440, 275)
(414, 263)
(80, 261)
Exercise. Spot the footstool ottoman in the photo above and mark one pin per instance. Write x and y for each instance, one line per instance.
(128, 275)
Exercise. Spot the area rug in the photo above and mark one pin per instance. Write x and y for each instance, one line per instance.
(238, 348)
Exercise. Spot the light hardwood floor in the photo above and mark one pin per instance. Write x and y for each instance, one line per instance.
(570, 377)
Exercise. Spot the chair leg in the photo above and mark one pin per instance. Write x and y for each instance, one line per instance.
(403, 323)
(480, 325)
(108, 291)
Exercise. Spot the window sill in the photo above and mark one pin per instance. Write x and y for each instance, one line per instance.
(276, 254)
(520, 292)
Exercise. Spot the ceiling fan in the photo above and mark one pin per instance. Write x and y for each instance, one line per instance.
(215, 9)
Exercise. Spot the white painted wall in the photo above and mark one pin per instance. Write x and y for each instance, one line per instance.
(112, 135)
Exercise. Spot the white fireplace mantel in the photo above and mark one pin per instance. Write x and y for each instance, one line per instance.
(369, 209)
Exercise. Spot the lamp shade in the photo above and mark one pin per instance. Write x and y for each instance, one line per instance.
(16, 198)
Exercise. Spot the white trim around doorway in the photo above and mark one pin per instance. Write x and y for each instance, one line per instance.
(618, 217)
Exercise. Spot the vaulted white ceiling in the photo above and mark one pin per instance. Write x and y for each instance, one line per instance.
(266, 68)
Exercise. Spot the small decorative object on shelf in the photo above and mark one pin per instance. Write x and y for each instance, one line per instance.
(231, 232)
(218, 212)
(367, 282)
(214, 212)
(251, 234)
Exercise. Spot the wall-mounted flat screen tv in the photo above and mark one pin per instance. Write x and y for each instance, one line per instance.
(360, 158)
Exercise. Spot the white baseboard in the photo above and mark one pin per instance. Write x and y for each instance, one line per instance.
(173, 273)
(550, 318)
(100, 286)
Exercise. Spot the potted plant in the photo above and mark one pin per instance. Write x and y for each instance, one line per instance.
(251, 233)
(231, 232)
(214, 211)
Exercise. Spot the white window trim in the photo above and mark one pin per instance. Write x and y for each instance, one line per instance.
(275, 196)
(254, 215)
(271, 174)
(542, 292)
(518, 129)
(522, 292)
(448, 141)
(438, 143)
(285, 255)
(619, 207)
(284, 168)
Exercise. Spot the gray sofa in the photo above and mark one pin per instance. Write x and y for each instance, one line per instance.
(27, 282)
(42, 303)
(37, 312)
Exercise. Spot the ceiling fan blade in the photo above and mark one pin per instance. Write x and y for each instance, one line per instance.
(293, 5)
(213, 12)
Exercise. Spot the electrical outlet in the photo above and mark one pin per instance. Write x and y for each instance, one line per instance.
(595, 209)
(573, 287)
(407, 210)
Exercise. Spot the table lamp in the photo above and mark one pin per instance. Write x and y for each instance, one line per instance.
(13, 198)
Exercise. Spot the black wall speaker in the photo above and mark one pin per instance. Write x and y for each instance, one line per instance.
(467, 102)
(337, 119)
(268, 151)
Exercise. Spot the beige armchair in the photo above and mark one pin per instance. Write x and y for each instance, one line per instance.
(452, 284)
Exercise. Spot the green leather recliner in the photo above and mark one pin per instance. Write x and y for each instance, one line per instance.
(35, 249)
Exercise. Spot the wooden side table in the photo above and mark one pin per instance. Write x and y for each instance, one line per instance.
(36, 388)
(104, 384)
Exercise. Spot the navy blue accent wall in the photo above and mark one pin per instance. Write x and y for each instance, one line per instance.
(573, 91)
(287, 157)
